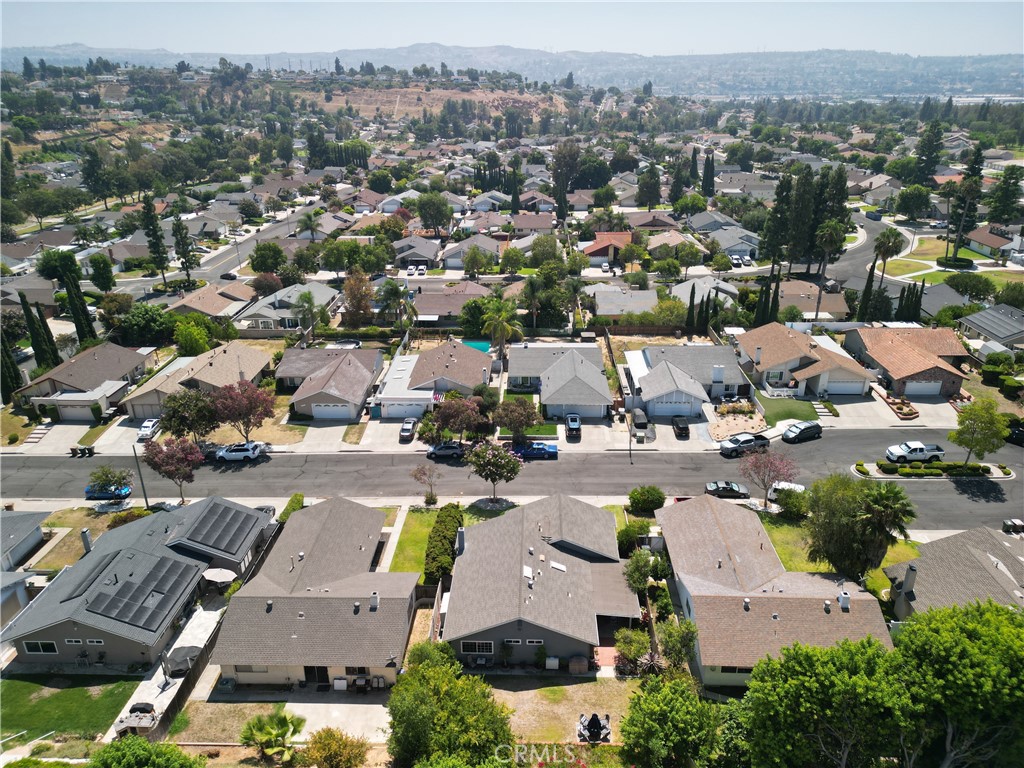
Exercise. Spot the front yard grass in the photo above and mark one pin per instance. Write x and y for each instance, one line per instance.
(900, 552)
(354, 433)
(272, 431)
(974, 386)
(13, 421)
(412, 542)
(76, 704)
(474, 514)
(790, 542)
(390, 515)
(778, 409)
(538, 430)
(620, 515)
(930, 249)
(546, 709)
(69, 550)
(214, 722)
(90, 437)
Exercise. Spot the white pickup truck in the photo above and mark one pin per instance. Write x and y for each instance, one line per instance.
(914, 451)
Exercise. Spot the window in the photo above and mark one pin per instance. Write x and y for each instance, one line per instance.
(535, 642)
(249, 668)
(512, 641)
(40, 646)
(737, 670)
(73, 641)
(356, 671)
(774, 376)
(94, 642)
(485, 647)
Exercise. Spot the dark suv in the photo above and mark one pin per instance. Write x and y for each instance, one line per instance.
(801, 431)
(681, 427)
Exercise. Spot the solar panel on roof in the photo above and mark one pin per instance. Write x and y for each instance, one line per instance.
(146, 604)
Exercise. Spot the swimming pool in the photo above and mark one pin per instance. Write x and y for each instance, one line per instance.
(483, 345)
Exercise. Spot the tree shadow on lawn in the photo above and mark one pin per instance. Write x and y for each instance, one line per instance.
(980, 489)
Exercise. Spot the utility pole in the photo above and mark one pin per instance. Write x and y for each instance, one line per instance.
(142, 482)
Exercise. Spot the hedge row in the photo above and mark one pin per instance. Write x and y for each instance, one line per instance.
(907, 472)
(935, 469)
(369, 332)
(294, 504)
(440, 556)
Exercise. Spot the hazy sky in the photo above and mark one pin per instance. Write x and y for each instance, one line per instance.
(675, 27)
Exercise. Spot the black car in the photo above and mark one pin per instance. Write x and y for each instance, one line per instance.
(639, 419)
(229, 276)
(801, 431)
(725, 489)
(1016, 436)
(681, 427)
(573, 425)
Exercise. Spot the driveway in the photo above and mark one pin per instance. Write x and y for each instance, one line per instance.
(323, 436)
(57, 441)
(936, 412)
(382, 435)
(862, 413)
(120, 437)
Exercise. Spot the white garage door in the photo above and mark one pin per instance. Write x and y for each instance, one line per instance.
(332, 411)
(401, 410)
(75, 413)
(586, 411)
(668, 408)
(923, 388)
(143, 411)
(845, 387)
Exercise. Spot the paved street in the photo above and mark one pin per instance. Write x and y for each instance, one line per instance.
(941, 504)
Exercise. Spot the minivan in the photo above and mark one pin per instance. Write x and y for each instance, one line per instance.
(801, 431)
(639, 419)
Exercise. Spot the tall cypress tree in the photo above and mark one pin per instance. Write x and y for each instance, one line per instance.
(10, 376)
(900, 303)
(691, 310)
(707, 181)
(865, 297)
(515, 197)
(702, 316)
(676, 190)
(35, 333)
(44, 326)
(79, 310)
(801, 219)
(694, 170)
(773, 313)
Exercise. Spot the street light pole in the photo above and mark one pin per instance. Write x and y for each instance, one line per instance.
(142, 482)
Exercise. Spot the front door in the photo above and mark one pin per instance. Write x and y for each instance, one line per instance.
(316, 675)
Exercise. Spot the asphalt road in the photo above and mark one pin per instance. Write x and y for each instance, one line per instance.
(941, 504)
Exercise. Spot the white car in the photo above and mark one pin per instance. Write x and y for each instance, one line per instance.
(240, 452)
(421, 271)
(150, 428)
(411, 271)
(747, 261)
(606, 267)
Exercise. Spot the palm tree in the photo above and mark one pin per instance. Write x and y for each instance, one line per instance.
(531, 295)
(390, 296)
(308, 311)
(83, 234)
(887, 513)
(607, 221)
(272, 734)
(887, 245)
(502, 323)
(830, 238)
(306, 223)
(408, 312)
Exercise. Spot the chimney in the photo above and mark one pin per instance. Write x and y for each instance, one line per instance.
(86, 540)
(374, 601)
(460, 542)
(844, 600)
(814, 345)
(909, 579)
(757, 356)
(717, 374)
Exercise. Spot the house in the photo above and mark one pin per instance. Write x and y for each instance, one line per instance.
(485, 222)
(574, 384)
(697, 289)
(606, 247)
(318, 611)
(737, 241)
(651, 221)
(533, 224)
(366, 201)
(677, 379)
(615, 305)
(778, 357)
(235, 361)
(915, 361)
(14, 594)
(98, 376)
(415, 251)
(709, 222)
(1001, 323)
(391, 204)
(989, 240)
(969, 567)
(554, 585)
(121, 603)
(663, 245)
(538, 202)
(745, 604)
(35, 288)
(580, 200)
(455, 253)
(491, 201)
(413, 383)
(214, 300)
(442, 309)
(804, 296)
(21, 534)
(280, 310)
(882, 196)
(527, 362)
(19, 257)
(330, 383)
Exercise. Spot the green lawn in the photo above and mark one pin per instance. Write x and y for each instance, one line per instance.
(932, 249)
(90, 437)
(518, 396)
(435, 272)
(780, 408)
(72, 704)
(540, 430)
(901, 267)
(412, 542)
(474, 514)
(900, 552)
(851, 238)
(13, 421)
(620, 515)
(790, 542)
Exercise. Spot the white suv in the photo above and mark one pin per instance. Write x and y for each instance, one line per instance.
(240, 452)
(150, 428)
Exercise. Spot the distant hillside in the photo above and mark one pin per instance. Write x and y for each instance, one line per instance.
(845, 74)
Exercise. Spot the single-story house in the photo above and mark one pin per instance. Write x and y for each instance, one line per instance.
(882, 195)
(989, 240)
(454, 254)
(804, 296)
(35, 288)
(121, 603)
(413, 383)
(614, 304)
(969, 567)
(99, 375)
(606, 247)
(14, 594)
(709, 222)
(574, 384)
(214, 300)
(20, 534)
(415, 251)
(737, 241)
(537, 201)
(228, 364)
(780, 358)
(651, 221)
(676, 379)
(533, 224)
(279, 310)
(745, 604)
(491, 201)
(553, 579)
(366, 201)
(916, 361)
(391, 204)
(1001, 323)
(330, 383)
(527, 362)
(696, 289)
(580, 200)
(318, 611)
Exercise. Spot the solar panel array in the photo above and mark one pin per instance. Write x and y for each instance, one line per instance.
(147, 604)
(222, 528)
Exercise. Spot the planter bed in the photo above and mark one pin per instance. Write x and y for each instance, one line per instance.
(948, 469)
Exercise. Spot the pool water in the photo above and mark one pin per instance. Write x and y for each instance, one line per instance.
(484, 346)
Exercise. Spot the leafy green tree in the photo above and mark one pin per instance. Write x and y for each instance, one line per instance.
(138, 752)
(1012, 294)
(154, 237)
(35, 333)
(974, 286)
(105, 476)
(380, 182)
(648, 192)
(475, 261)
(720, 263)
(707, 178)
(146, 325)
(249, 209)
(927, 151)
(913, 200)
(189, 412)
(495, 464)
(980, 428)
(637, 570)
(10, 376)
(191, 339)
(517, 416)
(267, 257)
(605, 196)
(669, 725)
(630, 645)
(667, 268)
(801, 219)
(512, 260)
(677, 641)
(38, 203)
(332, 748)
(836, 506)
(187, 255)
(102, 272)
(52, 351)
(434, 211)
(645, 499)
(1004, 200)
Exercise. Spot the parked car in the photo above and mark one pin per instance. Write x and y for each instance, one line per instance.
(421, 271)
(228, 276)
(240, 452)
(107, 492)
(536, 450)
(150, 428)
(801, 431)
(639, 419)
(914, 450)
(448, 450)
(744, 442)
(681, 427)
(747, 261)
(411, 271)
(783, 486)
(1016, 436)
(606, 267)
(736, 261)
(573, 425)
(20, 355)
(408, 430)
(939, 225)
(873, 215)
(726, 489)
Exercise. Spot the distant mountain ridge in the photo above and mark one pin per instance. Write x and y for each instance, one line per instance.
(821, 73)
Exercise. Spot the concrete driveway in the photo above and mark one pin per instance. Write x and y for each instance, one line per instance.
(862, 413)
(936, 412)
(58, 440)
(382, 435)
(120, 437)
(323, 436)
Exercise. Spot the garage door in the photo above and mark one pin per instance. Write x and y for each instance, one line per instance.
(586, 411)
(76, 413)
(402, 410)
(923, 388)
(332, 411)
(679, 408)
(845, 387)
(143, 411)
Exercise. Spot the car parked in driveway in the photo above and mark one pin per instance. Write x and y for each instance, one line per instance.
(107, 492)
(150, 428)
(726, 489)
(681, 427)
(240, 452)
(573, 425)
(447, 450)
(536, 450)
(228, 276)
(801, 431)
(408, 430)
(742, 443)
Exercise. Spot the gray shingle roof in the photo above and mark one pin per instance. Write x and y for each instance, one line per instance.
(94, 366)
(15, 527)
(698, 361)
(452, 360)
(533, 360)
(347, 377)
(282, 303)
(665, 378)
(573, 380)
(999, 322)
(562, 531)
(614, 303)
(300, 608)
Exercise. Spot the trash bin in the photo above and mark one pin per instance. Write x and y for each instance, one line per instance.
(641, 437)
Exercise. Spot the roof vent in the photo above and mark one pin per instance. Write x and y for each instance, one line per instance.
(746, 603)
(302, 556)
(302, 614)
(719, 562)
(530, 550)
(355, 607)
(270, 605)
(828, 606)
(775, 617)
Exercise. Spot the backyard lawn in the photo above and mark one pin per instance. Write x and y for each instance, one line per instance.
(899, 552)
(777, 409)
(412, 542)
(76, 704)
(215, 722)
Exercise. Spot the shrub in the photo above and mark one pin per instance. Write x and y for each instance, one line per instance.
(12, 438)
(792, 504)
(827, 404)
(627, 536)
(97, 412)
(440, 555)
(954, 263)
(887, 467)
(128, 516)
(861, 469)
(1009, 387)
(630, 645)
(916, 465)
(294, 504)
(907, 472)
(663, 603)
(331, 748)
(230, 591)
(645, 499)
(991, 374)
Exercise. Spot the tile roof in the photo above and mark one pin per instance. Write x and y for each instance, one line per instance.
(92, 367)
(804, 296)
(301, 606)
(604, 239)
(347, 376)
(905, 352)
(452, 360)
(574, 380)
